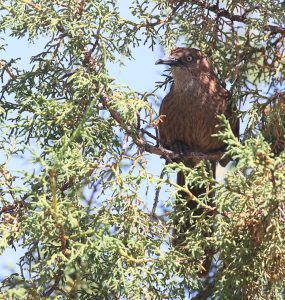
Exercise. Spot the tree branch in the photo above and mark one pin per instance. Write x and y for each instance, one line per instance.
(57, 279)
(6, 67)
(205, 292)
(221, 12)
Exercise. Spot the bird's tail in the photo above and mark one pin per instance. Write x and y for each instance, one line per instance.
(190, 215)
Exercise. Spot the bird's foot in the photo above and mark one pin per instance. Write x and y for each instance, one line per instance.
(179, 147)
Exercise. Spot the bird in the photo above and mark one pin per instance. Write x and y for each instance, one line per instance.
(188, 119)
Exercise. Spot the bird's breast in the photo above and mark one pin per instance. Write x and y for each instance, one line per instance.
(190, 116)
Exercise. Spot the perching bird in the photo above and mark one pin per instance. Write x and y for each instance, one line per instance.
(189, 113)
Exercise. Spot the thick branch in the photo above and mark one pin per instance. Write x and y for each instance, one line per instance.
(234, 17)
(174, 156)
(8, 208)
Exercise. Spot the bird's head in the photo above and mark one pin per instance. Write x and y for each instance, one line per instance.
(186, 62)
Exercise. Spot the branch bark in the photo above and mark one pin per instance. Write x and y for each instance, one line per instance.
(221, 12)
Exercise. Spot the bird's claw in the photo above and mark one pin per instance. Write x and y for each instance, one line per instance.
(180, 148)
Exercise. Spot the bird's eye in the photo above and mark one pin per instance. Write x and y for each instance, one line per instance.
(189, 58)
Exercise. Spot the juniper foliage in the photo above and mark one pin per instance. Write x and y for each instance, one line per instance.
(81, 215)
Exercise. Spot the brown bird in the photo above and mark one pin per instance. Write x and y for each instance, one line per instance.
(189, 116)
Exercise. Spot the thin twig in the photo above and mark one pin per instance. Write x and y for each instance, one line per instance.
(6, 68)
(155, 202)
(57, 279)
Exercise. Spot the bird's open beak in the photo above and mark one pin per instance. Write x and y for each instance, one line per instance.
(167, 61)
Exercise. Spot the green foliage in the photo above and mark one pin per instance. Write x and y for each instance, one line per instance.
(80, 212)
(251, 227)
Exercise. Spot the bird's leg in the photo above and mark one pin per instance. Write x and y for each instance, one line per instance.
(179, 147)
